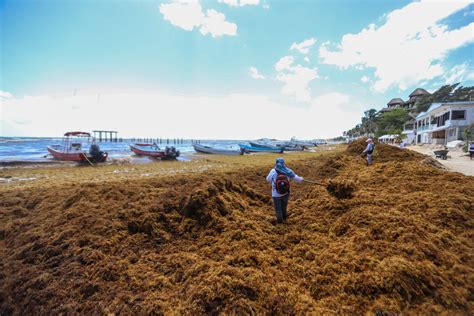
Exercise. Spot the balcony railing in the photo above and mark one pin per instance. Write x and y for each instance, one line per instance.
(423, 128)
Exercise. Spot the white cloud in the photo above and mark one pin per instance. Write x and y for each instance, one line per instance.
(296, 82)
(306, 59)
(409, 48)
(284, 63)
(185, 14)
(241, 3)
(188, 14)
(365, 79)
(295, 78)
(215, 23)
(458, 73)
(255, 74)
(304, 46)
(5, 95)
(206, 117)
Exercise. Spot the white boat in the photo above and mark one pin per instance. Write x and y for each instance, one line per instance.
(216, 151)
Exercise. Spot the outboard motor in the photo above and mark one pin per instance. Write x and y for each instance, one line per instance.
(96, 153)
(171, 153)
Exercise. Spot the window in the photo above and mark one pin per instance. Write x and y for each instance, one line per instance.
(458, 114)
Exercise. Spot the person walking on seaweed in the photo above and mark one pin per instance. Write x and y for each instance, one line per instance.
(369, 150)
(280, 177)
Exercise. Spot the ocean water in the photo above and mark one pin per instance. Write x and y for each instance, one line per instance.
(34, 148)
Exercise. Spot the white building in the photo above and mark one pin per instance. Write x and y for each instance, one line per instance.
(408, 133)
(444, 122)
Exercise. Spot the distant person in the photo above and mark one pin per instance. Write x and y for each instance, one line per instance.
(369, 150)
(280, 177)
(471, 150)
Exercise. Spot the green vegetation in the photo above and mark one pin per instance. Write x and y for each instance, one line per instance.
(391, 122)
(447, 93)
(469, 134)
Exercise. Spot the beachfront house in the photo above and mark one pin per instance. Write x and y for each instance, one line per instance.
(444, 122)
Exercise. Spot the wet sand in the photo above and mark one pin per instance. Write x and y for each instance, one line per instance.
(200, 237)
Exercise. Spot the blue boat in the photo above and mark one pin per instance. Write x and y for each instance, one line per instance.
(253, 149)
(258, 144)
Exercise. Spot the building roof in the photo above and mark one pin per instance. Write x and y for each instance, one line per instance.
(418, 92)
(434, 106)
(395, 101)
(421, 115)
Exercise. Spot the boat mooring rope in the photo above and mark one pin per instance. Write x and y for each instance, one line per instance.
(85, 156)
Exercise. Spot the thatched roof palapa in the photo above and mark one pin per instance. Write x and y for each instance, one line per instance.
(395, 101)
(418, 92)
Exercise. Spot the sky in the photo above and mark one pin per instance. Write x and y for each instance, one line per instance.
(223, 69)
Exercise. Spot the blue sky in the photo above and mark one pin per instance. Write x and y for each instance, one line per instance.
(316, 64)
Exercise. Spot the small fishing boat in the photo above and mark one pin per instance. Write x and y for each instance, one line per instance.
(71, 149)
(253, 149)
(152, 150)
(217, 151)
(260, 144)
(291, 145)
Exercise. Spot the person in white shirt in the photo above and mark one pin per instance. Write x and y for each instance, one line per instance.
(280, 177)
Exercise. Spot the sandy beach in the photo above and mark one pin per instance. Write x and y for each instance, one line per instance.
(200, 237)
(458, 160)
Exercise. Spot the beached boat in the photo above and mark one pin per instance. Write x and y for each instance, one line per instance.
(71, 149)
(287, 146)
(260, 144)
(152, 150)
(217, 151)
(252, 149)
(293, 147)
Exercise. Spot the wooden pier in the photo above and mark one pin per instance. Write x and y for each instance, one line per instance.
(112, 136)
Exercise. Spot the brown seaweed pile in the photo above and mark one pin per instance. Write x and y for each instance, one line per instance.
(341, 189)
(209, 243)
(383, 152)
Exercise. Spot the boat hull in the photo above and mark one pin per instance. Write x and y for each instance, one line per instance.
(78, 156)
(142, 150)
(210, 150)
(287, 146)
(150, 153)
(67, 156)
(266, 146)
(252, 149)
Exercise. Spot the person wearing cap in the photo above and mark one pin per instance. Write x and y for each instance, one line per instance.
(280, 177)
(369, 150)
